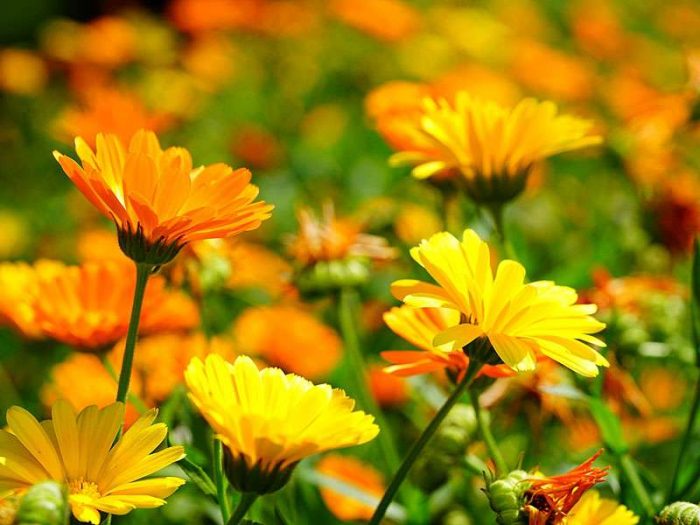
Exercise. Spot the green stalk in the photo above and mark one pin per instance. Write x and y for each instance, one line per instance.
(143, 271)
(347, 308)
(423, 440)
(496, 211)
(630, 471)
(486, 435)
(220, 480)
(133, 398)
(247, 500)
(685, 443)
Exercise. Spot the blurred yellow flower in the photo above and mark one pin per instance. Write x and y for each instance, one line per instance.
(158, 202)
(358, 475)
(79, 450)
(269, 421)
(594, 510)
(415, 223)
(493, 147)
(300, 343)
(521, 321)
(22, 72)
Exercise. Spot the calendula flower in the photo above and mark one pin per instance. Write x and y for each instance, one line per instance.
(419, 326)
(158, 202)
(549, 500)
(358, 475)
(387, 390)
(594, 510)
(79, 451)
(521, 320)
(295, 328)
(493, 147)
(389, 20)
(88, 306)
(269, 421)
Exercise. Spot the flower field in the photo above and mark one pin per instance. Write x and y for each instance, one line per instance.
(404, 262)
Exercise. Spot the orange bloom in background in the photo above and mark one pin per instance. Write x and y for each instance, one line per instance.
(22, 72)
(254, 266)
(290, 338)
(388, 20)
(676, 207)
(665, 389)
(210, 59)
(550, 499)
(88, 306)
(109, 110)
(414, 223)
(158, 202)
(388, 390)
(328, 239)
(419, 326)
(357, 475)
(597, 29)
(257, 147)
(480, 82)
(98, 244)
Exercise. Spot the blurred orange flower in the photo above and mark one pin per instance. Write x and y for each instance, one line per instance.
(290, 338)
(256, 147)
(158, 202)
(355, 473)
(389, 20)
(22, 72)
(388, 390)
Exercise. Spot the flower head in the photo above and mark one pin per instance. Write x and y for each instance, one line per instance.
(493, 147)
(521, 321)
(157, 200)
(594, 510)
(79, 451)
(269, 421)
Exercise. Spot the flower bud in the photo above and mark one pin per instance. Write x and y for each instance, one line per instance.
(46, 503)
(506, 497)
(679, 513)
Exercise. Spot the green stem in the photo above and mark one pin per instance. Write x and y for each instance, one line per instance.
(486, 435)
(220, 480)
(8, 392)
(685, 443)
(133, 398)
(496, 211)
(423, 440)
(247, 499)
(630, 471)
(347, 308)
(143, 271)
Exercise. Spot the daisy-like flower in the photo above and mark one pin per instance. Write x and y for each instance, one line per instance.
(549, 500)
(158, 202)
(269, 421)
(594, 510)
(419, 326)
(493, 147)
(88, 306)
(78, 450)
(521, 320)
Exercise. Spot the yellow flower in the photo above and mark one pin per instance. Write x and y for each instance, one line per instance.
(269, 421)
(157, 200)
(492, 146)
(594, 510)
(79, 450)
(521, 321)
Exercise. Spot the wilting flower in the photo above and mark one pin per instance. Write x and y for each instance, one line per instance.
(549, 500)
(157, 201)
(269, 421)
(493, 147)
(88, 306)
(300, 343)
(594, 510)
(79, 450)
(521, 321)
(419, 326)
(358, 475)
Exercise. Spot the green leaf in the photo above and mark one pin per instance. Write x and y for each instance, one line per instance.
(695, 301)
(198, 476)
(609, 426)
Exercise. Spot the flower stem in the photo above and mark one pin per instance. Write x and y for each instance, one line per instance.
(630, 471)
(423, 440)
(690, 426)
(486, 435)
(347, 308)
(220, 480)
(143, 271)
(247, 500)
(496, 211)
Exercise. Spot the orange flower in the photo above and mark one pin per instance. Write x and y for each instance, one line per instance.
(389, 20)
(98, 244)
(388, 390)
(359, 476)
(419, 326)
(257, 147)
(109, 110)
(158, 202)
(22, 72)
(549, 500)
(290, 338)
(88, 306)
